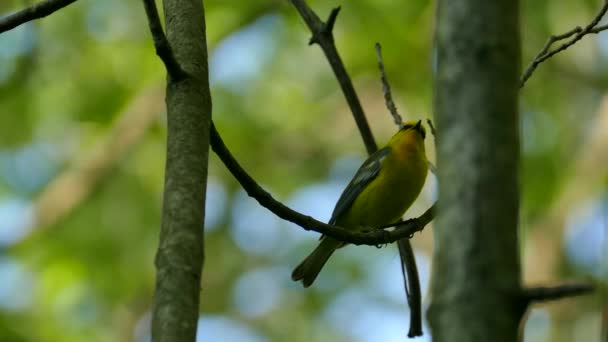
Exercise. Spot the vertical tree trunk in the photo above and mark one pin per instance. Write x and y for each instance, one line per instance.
(476, 271)
(181, 251)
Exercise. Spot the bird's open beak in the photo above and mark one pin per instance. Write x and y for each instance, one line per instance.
(417, 127)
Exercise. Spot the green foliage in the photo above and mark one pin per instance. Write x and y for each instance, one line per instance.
(67, 79)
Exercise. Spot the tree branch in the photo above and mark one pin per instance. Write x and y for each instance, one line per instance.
(37, 11)
(544, 294)
(322, 35)
(372, 237)
(578, 33)
(161, 44)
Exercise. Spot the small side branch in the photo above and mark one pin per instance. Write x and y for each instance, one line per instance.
(161, 44)
(544, 294)
(322, 35)
(386, 89)
(372, 237)
(575, 35)
(37, 11)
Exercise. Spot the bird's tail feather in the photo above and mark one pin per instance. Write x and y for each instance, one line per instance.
(308, 270)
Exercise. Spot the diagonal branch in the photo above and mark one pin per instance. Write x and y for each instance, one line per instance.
(371, 237)
(161, 44)
(576, 33)
(322, 35)
(37, 11)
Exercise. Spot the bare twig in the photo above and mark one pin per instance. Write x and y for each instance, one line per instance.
(322, 35)
(576, 33)
(37, 11)
(543, 294)
(161, 44)
(372, 237)
(386, 89)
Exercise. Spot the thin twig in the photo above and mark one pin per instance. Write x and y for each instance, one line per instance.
(543, 294)
(578, 33)
(161, 44)
(386, 89)
(322, 35)
(372, 237)
(37, 11)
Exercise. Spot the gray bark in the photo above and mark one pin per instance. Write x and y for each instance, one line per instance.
(180, 255)
(476, 270)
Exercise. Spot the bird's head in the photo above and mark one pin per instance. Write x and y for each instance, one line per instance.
(414, 127)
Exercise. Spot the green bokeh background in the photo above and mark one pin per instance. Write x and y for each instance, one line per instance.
(82, 136)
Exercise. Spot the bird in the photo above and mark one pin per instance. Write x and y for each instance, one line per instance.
(379, 194)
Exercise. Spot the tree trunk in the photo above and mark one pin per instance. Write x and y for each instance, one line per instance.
(476, 270)
(180, 254)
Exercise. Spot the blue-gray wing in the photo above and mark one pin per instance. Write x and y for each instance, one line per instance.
(366, 173)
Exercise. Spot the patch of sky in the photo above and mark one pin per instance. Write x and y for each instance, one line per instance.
(258, 291)
(16, 287)
(28, 168)
(108, 20)
(538, 325)
(253, 228)
(587, 237)
(240, 57)
(602, 40)
(16, 220)
(539, 132)
(18, 41)
(13, 44)
(316, 200)
(221, 328)
(215, 204)
(362, 318)
(141, 330)
(384, 278)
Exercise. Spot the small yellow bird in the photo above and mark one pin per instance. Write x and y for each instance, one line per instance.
(383, 188)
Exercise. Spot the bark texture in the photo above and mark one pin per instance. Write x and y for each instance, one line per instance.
(476, 270)
(180, 255)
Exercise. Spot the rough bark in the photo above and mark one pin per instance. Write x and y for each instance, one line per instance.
(180, 255)
(476, 270)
